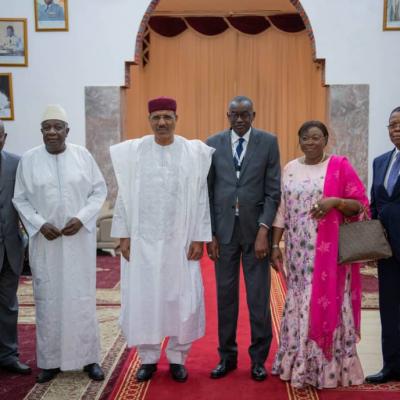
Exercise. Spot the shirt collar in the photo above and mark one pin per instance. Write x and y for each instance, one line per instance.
(235, 137)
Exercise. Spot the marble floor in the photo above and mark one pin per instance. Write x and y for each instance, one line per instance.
(369, 348)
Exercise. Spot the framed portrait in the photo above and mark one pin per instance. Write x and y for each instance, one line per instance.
(13, 42)
(6, 97)
(391, 15)
(51, 15)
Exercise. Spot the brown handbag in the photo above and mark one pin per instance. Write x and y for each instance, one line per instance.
(363, 241)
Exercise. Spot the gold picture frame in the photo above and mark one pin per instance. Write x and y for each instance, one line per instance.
(51, 15)
(6, 97)
(13, 42)
(391, 15)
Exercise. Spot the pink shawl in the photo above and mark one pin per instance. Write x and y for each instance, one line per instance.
(329, 278)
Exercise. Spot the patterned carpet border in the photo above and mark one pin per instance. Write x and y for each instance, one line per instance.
(126, 386)
(94, 389)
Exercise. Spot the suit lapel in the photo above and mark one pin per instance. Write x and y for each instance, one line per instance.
(397, 184)
(383, 170)
(251, 148)
(227, 152)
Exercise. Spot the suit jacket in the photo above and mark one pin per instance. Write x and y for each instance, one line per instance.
(10, 235)
(385, 207)
(257, 189)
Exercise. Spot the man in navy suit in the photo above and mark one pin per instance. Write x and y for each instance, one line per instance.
(385, 205)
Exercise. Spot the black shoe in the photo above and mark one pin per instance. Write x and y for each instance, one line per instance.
(178, 372)
(145, 372)
(383, 376)
(223, 368)
(94, 372)
(258, 372)
(47, 375)
(16, 367)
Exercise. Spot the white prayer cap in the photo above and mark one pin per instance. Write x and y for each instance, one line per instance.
(54, 111)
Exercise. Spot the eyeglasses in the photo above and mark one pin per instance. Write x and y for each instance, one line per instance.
(395, 125)
(242, 115)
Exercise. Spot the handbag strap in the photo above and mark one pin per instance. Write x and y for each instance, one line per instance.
(363, 211)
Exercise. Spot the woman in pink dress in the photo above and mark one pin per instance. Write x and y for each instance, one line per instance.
(321, 319)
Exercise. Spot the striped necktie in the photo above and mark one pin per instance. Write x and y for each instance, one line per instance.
(393, 175)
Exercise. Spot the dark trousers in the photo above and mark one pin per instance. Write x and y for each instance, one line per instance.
(8, 313)
(257, 278)
(389, 306)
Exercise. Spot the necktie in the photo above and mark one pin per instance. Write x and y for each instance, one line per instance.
(393, 175)
(238, 153)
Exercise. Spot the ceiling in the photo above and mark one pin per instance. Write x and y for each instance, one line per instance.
(223, 7)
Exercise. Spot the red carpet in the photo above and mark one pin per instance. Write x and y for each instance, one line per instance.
(107, 276)
(237, 385)
(17, 386)
(202, 359)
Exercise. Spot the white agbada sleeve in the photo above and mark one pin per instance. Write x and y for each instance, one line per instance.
(119, 227)
(88, 214)
(30, 217)
(202, 230)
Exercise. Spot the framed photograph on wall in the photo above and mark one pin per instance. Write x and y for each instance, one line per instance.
(6, 97)
(51, 15)
(391, 15)
(13, 42)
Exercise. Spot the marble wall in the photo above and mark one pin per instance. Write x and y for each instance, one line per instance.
(103, 109)
(348, 116)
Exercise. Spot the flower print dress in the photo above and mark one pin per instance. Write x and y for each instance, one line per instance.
(299, 360)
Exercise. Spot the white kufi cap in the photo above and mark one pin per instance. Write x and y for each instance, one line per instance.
(54, 111)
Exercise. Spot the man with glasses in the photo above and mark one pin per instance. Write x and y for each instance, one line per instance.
(385, 206)
(244, 190)
(59, 191)
(162, 218)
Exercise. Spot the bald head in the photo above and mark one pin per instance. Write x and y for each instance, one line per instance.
(3, 135)
(241, 100)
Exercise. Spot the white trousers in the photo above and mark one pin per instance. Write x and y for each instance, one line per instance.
(176, 352)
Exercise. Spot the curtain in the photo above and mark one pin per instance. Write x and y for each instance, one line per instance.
(274, 68)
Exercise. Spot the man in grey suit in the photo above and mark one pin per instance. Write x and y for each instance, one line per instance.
(244, 190)
(11, 253)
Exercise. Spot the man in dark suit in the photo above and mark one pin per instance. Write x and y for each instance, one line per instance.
(244, 190)
(11, 252)
(385, 205)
